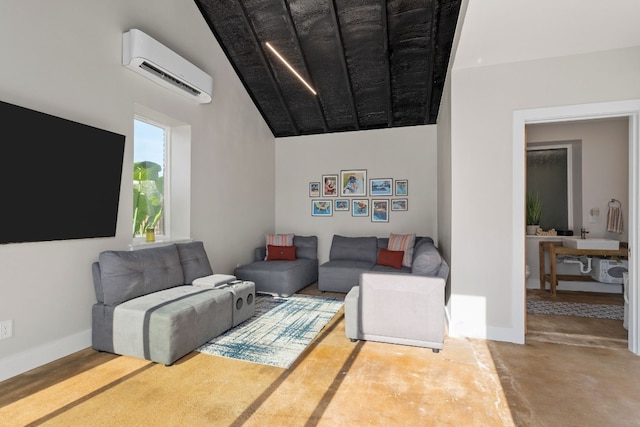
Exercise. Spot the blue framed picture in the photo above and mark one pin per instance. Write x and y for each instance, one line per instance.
(399, 205)
(341, 205)
(380, 187)
(321, 208)
(402, 187)
(380, 210)
(353, 182)
(360, 207)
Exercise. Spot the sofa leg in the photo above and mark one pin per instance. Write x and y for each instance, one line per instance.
(353, 339)
(436, 350)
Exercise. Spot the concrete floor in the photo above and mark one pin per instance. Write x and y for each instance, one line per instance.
(339, 383)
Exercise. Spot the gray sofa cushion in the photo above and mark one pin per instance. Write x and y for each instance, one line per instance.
(426, 259)
(363, 249)
(341, 275)
(281, 278)
(129, 274)
(306, 246)
(164, 326)
(194, 261)
(385, 269)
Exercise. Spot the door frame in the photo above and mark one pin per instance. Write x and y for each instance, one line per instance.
(629, 109)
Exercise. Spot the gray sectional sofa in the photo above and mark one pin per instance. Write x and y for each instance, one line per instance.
(349, 257)
(147, 306)
(283, 278)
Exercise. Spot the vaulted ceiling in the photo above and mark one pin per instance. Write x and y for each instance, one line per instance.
(373, 63)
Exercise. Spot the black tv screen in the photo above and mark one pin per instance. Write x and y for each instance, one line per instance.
(60, 179)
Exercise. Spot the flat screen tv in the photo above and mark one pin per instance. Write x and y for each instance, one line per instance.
(60, 179)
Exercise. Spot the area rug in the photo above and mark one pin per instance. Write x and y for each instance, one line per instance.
(279, 331)
(600, 311)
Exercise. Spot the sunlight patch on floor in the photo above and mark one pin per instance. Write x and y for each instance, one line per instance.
(45, 402)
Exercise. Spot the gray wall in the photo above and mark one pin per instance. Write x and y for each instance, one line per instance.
(400, 153)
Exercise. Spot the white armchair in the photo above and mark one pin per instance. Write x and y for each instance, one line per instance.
(398, 308)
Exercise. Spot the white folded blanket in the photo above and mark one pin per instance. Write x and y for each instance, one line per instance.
(214, 280)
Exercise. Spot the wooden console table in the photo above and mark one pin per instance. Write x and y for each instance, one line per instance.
(555, 248)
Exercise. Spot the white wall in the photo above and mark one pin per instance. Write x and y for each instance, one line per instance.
(484, 260)
(605, 166)
(64, 58)
(399, 153)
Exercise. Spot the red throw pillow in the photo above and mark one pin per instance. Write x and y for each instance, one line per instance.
(281, 253)
(390, 258)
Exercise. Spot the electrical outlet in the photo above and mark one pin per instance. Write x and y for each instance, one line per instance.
(6, 329)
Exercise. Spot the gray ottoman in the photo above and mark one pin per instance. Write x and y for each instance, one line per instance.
(243, 300)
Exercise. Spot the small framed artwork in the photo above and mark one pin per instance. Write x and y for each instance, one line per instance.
(329, 185)
(380, 187)
(399, 204)
(380, 210)
(321, 208)
(353, 182)
(402, 187)
(314, 189)
(360, 207)
(341, 205)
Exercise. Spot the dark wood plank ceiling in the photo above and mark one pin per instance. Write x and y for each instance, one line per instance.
(373, 63)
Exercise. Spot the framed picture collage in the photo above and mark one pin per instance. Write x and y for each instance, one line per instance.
(350, 191)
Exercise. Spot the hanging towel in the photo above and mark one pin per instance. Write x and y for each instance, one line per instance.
(614, 220)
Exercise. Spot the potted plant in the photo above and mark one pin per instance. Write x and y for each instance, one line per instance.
(534, 210)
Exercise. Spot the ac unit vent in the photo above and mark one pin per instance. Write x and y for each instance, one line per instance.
(169, 78)
(158, 63)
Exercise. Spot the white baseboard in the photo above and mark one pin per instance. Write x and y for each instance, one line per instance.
(25, 361)
(565, 285)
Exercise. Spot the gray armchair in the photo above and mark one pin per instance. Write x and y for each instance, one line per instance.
(398, 308)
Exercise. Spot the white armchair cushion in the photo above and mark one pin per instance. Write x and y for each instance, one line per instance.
(397, 308)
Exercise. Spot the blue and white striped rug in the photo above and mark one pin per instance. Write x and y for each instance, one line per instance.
(600, 311)
(279, 331)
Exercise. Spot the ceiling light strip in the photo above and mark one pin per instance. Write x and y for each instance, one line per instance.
(290, 68)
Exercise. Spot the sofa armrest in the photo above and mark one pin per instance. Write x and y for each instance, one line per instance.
(352, 321)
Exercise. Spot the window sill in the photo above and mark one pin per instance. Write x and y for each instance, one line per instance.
(143, 244)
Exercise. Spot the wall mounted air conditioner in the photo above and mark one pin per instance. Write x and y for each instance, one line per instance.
(147, 56)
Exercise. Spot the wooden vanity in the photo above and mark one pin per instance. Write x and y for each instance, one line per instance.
(555, 248)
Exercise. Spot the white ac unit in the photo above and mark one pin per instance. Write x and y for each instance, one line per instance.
(147, 56)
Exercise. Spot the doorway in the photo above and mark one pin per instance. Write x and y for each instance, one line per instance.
(628, 109)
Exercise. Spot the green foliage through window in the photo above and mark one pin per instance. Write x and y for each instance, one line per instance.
(148, 200)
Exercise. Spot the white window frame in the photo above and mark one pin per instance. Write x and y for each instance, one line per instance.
(177, 178)
(166, 173)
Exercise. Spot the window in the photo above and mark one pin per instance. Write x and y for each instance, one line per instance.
(550, 175)
(162, 177)
(149, 172)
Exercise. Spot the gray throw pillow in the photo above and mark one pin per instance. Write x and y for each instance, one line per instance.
(354, 249)
(194, 261)
(426, 259)
(306, 246)
(129, 274)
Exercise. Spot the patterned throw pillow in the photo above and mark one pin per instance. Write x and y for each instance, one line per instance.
(403, 242)
(278, 240)
(282, 253)
(390, 258)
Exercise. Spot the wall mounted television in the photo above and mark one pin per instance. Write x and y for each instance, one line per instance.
(60, 179)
